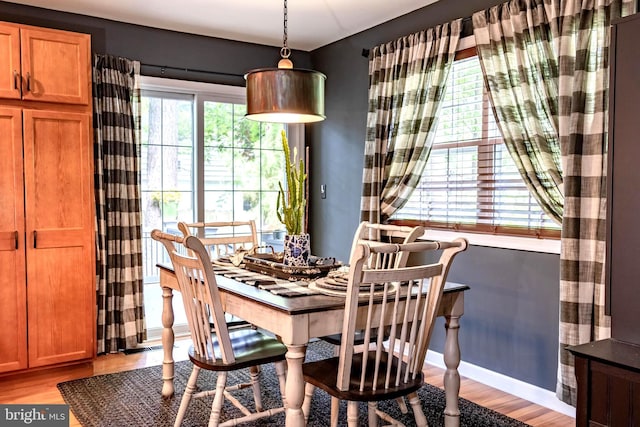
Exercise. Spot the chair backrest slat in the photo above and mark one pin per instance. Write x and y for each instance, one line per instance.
(200, 295)
(412, 296)
(387, 233)
(228, 236)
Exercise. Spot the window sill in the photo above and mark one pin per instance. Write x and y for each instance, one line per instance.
(530, 244)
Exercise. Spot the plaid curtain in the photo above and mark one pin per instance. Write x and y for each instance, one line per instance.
(582, 36)
(406, 86)
(520, 67)
(116, 100)
(553, 55)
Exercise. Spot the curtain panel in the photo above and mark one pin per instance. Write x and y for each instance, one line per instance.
(116, 98)
(520, 67)
(406, 86)
(582, 38)
(547, 68)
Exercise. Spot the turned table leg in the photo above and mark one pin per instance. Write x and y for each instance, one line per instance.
(451, 375)
(295, 385)
(167, 343)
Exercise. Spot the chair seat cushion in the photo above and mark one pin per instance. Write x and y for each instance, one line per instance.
(358, 338)
(250, 348)
(324, 374)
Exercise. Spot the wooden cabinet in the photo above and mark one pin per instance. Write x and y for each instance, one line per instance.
(13, 306)
(45, 65)
(9, 61)
(50, 249)
(623, 203)
(608, 376)
(47, 250)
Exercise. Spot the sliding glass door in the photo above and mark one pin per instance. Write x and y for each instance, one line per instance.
(201, 160)
(167, 186)
(242, 165)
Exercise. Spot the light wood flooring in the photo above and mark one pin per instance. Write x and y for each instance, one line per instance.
(40, 387)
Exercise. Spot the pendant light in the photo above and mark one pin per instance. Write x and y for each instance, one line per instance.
(285, 94)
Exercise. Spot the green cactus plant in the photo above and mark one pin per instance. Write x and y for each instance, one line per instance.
(291, 203)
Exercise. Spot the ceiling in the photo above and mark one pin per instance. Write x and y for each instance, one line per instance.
(311, 23)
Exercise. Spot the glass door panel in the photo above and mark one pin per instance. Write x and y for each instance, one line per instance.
(167, 186)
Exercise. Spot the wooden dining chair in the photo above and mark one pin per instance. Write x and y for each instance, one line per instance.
(221, 350)
(388, 233)
(392, 366)
(223, 238)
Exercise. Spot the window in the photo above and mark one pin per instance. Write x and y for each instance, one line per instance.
(201, 160)
(166, 161)
(242, 163)
(470, 182)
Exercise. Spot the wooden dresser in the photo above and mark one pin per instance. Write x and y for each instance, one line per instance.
(47, 250)
(608, 375)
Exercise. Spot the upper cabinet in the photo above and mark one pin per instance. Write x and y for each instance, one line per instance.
(45, 65)
(9, 61)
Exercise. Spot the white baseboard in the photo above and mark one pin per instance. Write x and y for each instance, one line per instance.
(507, 384)
(180, 330)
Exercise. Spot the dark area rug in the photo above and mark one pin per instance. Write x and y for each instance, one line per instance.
(132, 398)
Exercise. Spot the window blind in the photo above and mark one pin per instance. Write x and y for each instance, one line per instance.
(470, 181)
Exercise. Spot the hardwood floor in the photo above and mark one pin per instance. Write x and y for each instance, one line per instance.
(40, 387)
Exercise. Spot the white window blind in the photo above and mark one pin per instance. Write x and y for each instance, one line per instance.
(470, 181)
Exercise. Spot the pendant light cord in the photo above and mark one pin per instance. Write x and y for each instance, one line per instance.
(285, 52)
(284, 94)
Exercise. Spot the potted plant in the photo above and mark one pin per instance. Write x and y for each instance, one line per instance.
(291, 209)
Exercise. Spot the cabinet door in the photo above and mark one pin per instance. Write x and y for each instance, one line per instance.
(9, 61)
(623, 179)
(56, 66)
(13, 305)
(59, 229)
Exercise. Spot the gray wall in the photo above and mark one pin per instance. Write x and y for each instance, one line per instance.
(511, 320)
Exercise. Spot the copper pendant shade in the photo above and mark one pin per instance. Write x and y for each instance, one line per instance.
(285, 94)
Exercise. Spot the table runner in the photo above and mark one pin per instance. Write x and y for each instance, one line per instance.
(282, 287)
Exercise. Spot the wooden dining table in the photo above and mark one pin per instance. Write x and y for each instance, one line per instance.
(296, 320)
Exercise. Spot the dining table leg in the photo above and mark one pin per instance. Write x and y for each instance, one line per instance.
(452, 361)
(167, 342)
(295, 385)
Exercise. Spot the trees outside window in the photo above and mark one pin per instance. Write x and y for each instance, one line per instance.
(201, 160)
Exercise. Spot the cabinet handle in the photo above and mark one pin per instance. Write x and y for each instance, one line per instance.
(35, 239)
(15, 79)
(28, 82)
(15, 238)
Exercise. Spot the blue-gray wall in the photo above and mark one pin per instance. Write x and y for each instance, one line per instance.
(511, 320)
(511, 312)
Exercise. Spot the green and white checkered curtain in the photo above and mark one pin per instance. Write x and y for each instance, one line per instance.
(547, 67)
(116, 100)
(406, 86)
(582, 41)
(520, 68)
